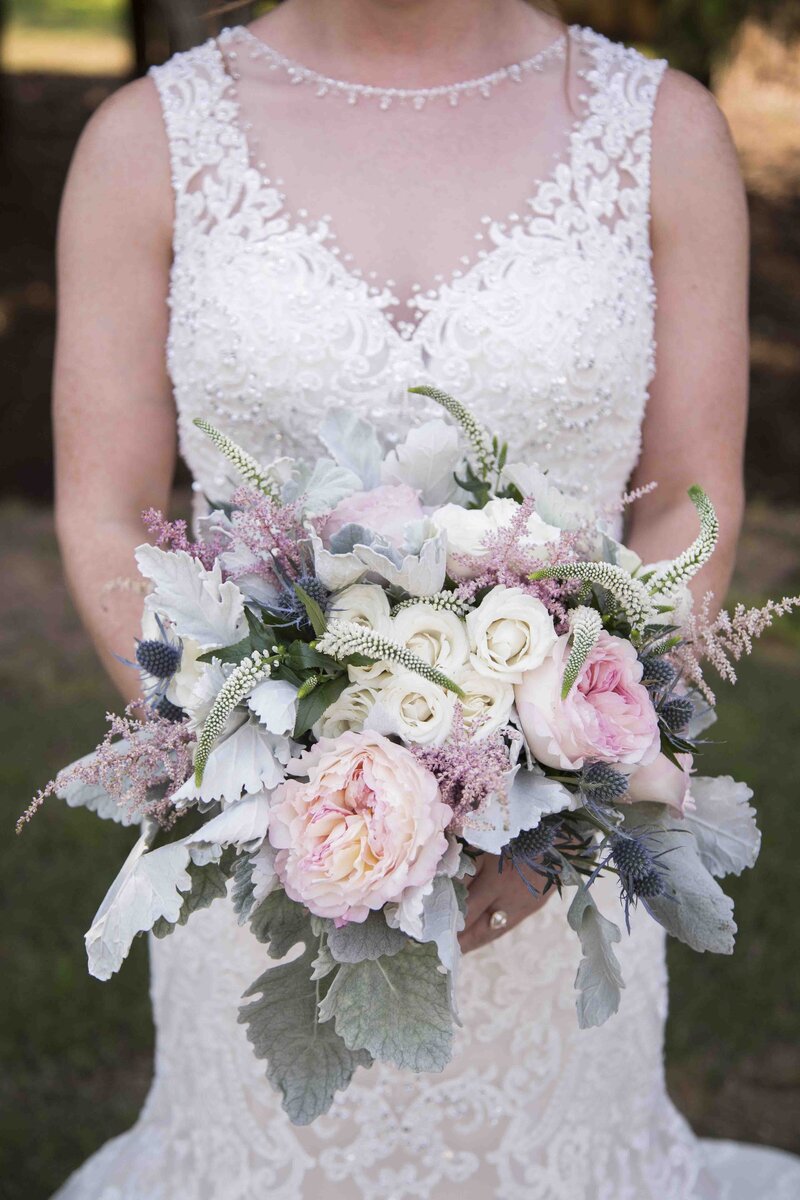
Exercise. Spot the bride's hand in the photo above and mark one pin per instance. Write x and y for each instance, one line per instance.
(491, 891)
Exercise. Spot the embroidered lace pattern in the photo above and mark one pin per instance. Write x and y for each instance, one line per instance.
(549, 336)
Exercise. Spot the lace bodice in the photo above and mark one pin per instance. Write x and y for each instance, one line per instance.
(547, 333)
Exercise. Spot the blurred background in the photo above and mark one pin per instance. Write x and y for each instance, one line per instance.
(76, 1053)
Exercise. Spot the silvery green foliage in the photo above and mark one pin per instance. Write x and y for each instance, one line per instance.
(307, 1061)
(694, 909)
(530, 797)
(209, 883)
(243, 824)
(94, 797)
(201, 606)
(724, 825)
(321, 487)
(599, 978)
(149, 887)
(427, 461)
(354, 444)
(279, 922)
(565, 512)
(242, 887)
(395, 1008)
(358, 941)
(442, 921)
(418, 569)
(248, 760)
(275, 704)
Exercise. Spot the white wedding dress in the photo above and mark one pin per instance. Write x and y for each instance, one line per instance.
(547, 332)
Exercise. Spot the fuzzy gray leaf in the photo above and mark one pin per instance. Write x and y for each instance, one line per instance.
(599, 977)
(724, 825)
(354, 444)
(242, 887)
(368, 939)
(395, 1008)
(209, 883)
(307, 1062)
(280, 922)
(530, 797)
(695, 909)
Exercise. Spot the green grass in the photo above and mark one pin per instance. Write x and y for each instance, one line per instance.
(76, 1052)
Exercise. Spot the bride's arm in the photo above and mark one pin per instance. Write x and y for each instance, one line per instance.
(695, 423)
(113, 412)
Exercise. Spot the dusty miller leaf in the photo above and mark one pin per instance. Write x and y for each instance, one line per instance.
(209, 883)
(395, 1008)
(599, 978)
(724, 825)
(280, 922)
(368, 939)
(202, 606)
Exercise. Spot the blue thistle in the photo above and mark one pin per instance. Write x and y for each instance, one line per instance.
(640, 877)
(602, 783)
(657, 673)
(535, 850)
(169, 711)
(158, 657)
(676, 713)
(289, 607)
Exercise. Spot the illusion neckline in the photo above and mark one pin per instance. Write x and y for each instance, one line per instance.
(422, 300)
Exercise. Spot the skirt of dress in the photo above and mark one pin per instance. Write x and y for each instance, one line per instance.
(530, 1108)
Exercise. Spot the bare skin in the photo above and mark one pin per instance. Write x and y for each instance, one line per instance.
(113, 409)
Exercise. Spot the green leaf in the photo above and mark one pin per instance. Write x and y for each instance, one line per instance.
(599, 979)
(306, 1061)
(395, 1008)
(302, 657)
(370, 939)
(695, 909)
(311, 707)
(209, 883)
(313, 611)
(281, 922)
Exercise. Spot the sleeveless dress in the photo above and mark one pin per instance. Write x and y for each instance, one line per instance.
(548, 335)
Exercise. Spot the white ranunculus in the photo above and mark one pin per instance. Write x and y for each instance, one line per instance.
(348, 712)
(510, 632)
(467, 530)
(486, 700)
(364, 604)
(437, 636)
(414, 709)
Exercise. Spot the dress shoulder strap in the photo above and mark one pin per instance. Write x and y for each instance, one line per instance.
(198, 109)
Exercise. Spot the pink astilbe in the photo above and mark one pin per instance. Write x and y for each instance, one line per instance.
(157, 760)
(725, 638)
(173, 535)
(507, 560)
(270, 532)
(468, 770)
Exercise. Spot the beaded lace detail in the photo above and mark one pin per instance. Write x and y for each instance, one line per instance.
(549, 337)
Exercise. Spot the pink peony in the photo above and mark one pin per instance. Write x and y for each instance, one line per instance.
(385, 510)
(367, 825)
(661, 782)
(608, 715)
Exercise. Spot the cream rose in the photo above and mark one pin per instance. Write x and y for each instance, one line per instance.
(509, 633)
(365, 826)
(348, 712)
(413, 708)
(365, 604)
(438, 637)
(486, 700)
(468, 528)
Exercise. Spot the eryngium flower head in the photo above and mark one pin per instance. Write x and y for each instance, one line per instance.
(658, 672)
(169, 711)
(640, 877)
(602, 783)
(676, 713)
(158, 658)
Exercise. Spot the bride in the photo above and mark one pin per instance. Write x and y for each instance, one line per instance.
(553, 228)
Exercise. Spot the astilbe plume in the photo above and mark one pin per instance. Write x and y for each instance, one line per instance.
(507, 560)
(271, 532)
(140, 778)
(173, 535)
(725, 638)
(469, 770)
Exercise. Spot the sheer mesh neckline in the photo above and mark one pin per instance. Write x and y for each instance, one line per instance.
(422, 298)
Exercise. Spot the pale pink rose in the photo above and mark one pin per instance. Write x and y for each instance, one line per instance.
(608, 715)
(661, 782)
(368, 825)
(385, 510)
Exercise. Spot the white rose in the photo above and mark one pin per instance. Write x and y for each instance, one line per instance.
(365, 604)
(438, 637)
(413, 708)
(348, 712)
(486, 700)
(509, 633)
(468, 528)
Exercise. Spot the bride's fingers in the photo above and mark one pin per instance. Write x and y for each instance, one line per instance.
(484, 890)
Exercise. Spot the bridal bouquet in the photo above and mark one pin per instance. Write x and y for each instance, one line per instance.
(368, 672)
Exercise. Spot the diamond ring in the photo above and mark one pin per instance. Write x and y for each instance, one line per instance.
(498, 920)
